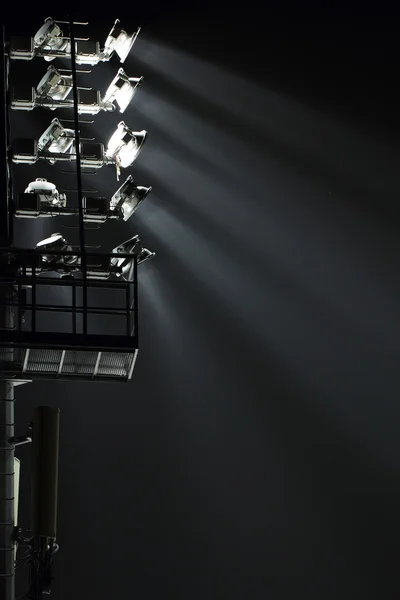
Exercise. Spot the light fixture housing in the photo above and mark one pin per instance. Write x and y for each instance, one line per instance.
(119, 41)
(122, 89)
(25, 151)
(50, 38)
(23, 98)
(124, 264)
(95, 210)
(56, 139)
(54, 262)
(128, 197)
(41, 198)
(124, 145)
(47, 192)
(54, 85)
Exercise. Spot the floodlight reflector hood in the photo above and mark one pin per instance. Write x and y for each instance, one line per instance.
(119, 41)
(56, 243)
(122, 89)
(128, 197)
(50, 37)
(145, 254)
(56, 138)
(54, 85)
(125, 145)
(47, 192)
(40, 185)
(134, 247)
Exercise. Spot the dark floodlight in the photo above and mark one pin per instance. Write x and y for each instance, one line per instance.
(55, 243)
(134, 247)
(125, 145)
(41, 198)
(128, 197)
(50, 38)
(122, 89)
(56, 139)
(119, 41)
(47, 192)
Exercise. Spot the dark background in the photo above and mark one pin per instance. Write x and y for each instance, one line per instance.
(255, 453)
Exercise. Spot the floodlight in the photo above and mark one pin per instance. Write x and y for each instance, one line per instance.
(54, 85)
(119, 41)
(134, 247)
(145, 254)
(128, 197)
(124, 145)
(122, 89)
(55, 243)
(56, 138)
(50, 38)
(47, 192)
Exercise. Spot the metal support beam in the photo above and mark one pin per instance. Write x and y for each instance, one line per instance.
(79, 177)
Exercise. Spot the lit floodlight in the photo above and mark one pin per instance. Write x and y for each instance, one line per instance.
(50, 38)
(128, 197)
(124, 145)
(122, 89)
(124, 264)
(56, 138)
(47, 192)
(119, 41)
(55, 262)
(54, 85)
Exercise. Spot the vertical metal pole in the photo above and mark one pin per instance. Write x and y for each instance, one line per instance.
(79, 176)
(73, 307)
(128, 308)
(7, 574)
(135, 299)
(33, 299)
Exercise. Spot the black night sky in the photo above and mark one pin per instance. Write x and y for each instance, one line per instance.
(255, 453)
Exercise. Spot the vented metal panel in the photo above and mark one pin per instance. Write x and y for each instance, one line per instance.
(66, 364)
(43, 361)
(115, 365)
(79, 362)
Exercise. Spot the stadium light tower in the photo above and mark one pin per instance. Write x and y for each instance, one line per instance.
(62, 340)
